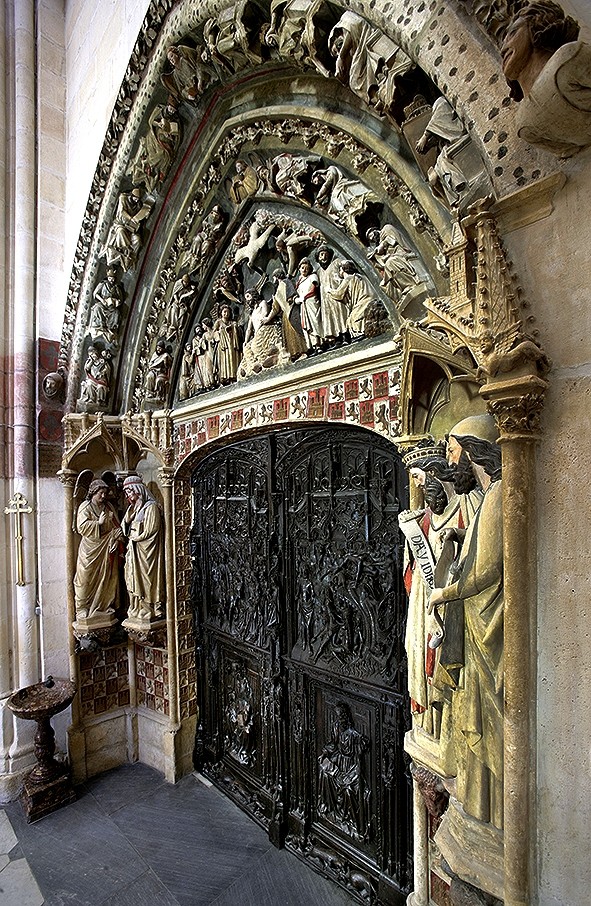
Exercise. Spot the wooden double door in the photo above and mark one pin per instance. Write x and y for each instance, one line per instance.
(299, 614)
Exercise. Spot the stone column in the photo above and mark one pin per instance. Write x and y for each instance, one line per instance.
(68, 479)
(18, 52)
(167, 482)
(420, 893)
(516, 404)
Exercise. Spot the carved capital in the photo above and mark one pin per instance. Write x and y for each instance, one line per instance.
(68, 478)
(166, 476)
(516, 406)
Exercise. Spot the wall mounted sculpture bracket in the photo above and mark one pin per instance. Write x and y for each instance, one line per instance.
(495, 324)
(120, 444)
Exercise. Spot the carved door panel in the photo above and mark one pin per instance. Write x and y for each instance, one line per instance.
(300, 622)
(236, 593)
(345, 658)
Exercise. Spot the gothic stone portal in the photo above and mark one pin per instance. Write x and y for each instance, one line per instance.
(300, 622)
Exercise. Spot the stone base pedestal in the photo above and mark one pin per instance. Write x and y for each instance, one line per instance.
(152, 632)
(95, 631)
(472, 849)
(40, 798)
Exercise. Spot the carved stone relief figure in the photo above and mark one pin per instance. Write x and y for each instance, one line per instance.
(203, 352)
(232, 40)
(263, 339)
(367, 60)
(189, 77)
(144, 560)
(96, 582)
(244, 183)
(334, 307)
(291, 30)
(283, 304)
(345, 199)
(355, 291)
(228, 346)
(477, 707)
(186, 386)
(125, 238)
(178, 308)
(343, 794)
(444, 130)
(549, 73)
(158, 373)
(431, 560)
(291, 247)
(250, 241)
(392, 258)
(105, 313)
(157, 148)
(288, 174)
(98, 371)
(205, 241)
(308, 299)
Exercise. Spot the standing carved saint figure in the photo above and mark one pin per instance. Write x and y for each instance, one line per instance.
(308, 298)
(334, 309)
(478, 704)
(228, 345)
(432, 557)
(96, 582)
(203, 352)
(282, 304)
(355, 291)
(143, 527)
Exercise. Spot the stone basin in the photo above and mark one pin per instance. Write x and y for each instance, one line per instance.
(42, 700)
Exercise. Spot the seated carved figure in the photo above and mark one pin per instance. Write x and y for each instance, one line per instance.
(549, 73)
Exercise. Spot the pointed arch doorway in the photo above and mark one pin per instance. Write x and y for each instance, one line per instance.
(300, 614)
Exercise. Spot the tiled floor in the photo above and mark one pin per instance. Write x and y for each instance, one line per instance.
(133, 840)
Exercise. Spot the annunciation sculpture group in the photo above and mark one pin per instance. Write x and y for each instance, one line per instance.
(109, 542)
